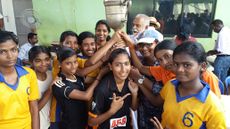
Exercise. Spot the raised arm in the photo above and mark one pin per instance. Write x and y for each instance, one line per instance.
(136, 61)
(103, 50)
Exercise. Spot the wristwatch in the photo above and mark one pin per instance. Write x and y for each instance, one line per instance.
(141, 80)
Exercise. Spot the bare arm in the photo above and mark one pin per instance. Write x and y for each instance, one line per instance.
(34, 114)
(133, 87)
(136, 61)
(102, 51)
(45, 98)
(86, 70)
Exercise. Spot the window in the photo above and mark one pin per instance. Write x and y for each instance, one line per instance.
(194, 15)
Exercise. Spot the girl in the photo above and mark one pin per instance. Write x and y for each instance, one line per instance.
(70, 92)
(19, 90)
(187, 98)
(165, 72)
(102, 31)
(40, 58)
(111, 104)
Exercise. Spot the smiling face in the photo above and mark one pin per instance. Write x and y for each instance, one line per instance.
(165, 59)
(8, 54)
(101, 32)
(138, 25)
(41, 63)
(88, 46)
(120, 67)
(146, 49)
(186, 68)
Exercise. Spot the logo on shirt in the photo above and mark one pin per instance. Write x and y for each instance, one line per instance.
(188, 119)
(118, 122)
(28, 90)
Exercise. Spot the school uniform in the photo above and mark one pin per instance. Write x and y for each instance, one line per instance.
(74, 112)
(102, 100)
(14, 99)
(199, 111)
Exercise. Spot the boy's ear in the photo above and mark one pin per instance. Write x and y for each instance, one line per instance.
(203, 66)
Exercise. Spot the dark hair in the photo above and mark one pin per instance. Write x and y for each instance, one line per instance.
(193, 49)
(217, 22)
(84, 35)
(104, 22)
(65, 53)
(184, 32)
(66, 34)
(31, 35)
(165, 45)
(117, 52)
(34, 51)
(7, 35)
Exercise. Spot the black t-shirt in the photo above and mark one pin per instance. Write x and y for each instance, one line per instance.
(74, 112)
(103, 99)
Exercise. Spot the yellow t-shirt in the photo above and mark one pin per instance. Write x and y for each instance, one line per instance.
(14, 99)
(202, 110)
(81, 64)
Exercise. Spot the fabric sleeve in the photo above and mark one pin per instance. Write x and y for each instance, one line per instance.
(34, 90)
(213, 82)
(165, 89)
(22, 52)
(61, 90)
(155, 72)
(216, 121)
(97, 103)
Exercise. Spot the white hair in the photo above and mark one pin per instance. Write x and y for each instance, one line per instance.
(145, 18)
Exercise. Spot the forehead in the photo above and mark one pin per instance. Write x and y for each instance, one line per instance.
(161, 53)
(183, 57)
(121, 58)
(101, 26)
(8, 45)
(70, 37)
(71, 58)
(88, 40)
(42, 55)
(137, 20)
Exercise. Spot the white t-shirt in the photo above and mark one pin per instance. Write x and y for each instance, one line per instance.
(45, 111)
(223, 41)
(1, 17)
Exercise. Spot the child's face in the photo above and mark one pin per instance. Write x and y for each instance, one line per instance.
(146, 49)
(8, 54)
(120, 67)
(88, 46)
(41, 63)
(101, 32)
(186, 68)
(165, 58)
(69, 66)
(71, 42)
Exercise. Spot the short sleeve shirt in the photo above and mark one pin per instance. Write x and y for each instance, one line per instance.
(103, 99)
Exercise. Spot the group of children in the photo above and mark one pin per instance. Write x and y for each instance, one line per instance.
(97, 87)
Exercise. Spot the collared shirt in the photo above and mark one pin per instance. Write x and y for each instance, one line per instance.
(74, 112)
(14, 99)
(223, 41)
(24, 51)
(198, 111)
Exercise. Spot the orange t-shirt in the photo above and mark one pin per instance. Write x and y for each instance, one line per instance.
(161, 74)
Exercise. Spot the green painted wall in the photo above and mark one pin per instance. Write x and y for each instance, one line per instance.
(57, 16)
(81, 15)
